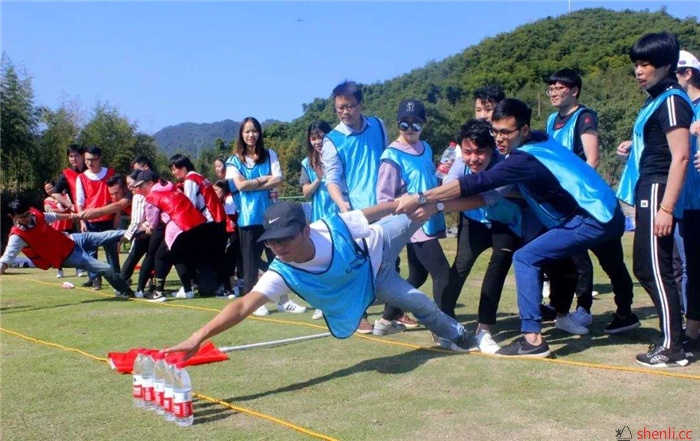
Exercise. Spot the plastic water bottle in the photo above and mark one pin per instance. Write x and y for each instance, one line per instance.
(182, 396)
(274, 195)
(147, 381)
(448, 157)
(159, 382)
(136, 388)
(168, 390)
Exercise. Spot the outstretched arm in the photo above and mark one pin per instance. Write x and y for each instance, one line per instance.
(229, 317)
(376, 212)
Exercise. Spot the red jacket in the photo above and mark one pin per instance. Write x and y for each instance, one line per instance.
(71, 177)
(97, 194)
(178, 206)
(46, 247)
(211, 200)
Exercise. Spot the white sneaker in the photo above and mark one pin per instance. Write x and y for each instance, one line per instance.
(582, 317)
(261, 312)
(318, 315)
(181, 294)
(290, 306)
(138, 294)
(59, 274)
(595, 293)
(385, 327)
(545, 289)
(81, 273)
(486, 343)
(570, 325)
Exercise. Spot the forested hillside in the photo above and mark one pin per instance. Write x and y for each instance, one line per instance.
(595, 42)
(190, 137)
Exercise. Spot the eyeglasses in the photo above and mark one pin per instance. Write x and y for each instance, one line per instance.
(348, 107)
(503, 132)
(416, 127)
(551, 90)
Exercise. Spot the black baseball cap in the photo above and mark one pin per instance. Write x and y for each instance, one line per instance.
(143, 176)
(411, 109)
(283, 220)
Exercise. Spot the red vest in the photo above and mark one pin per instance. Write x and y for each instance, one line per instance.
(178, 206)
(211, 200)
(46, 247)
(97, 194)
(59, 225)
(71, 177)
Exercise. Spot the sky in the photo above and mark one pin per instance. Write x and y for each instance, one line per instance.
(164, 63)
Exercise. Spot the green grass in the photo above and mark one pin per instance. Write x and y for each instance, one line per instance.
(356, 389)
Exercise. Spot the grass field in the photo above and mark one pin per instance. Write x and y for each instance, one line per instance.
(362, 388)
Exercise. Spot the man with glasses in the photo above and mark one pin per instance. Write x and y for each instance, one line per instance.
(577, 208)
(351, 154)
(92, 192)
(46, 247)
(338, 264)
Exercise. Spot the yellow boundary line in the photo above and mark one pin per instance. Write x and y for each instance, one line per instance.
(240, 409)
(654, 372)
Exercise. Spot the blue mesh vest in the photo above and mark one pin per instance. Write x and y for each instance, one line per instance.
(418, 172)
(565, 135)
(322, 205)
(251, 204)
(359, 153)
(576, 177)
(690, 196)
(630, 176)
(345, 290)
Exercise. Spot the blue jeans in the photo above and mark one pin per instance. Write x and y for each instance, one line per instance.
(393, 289)
(574, 237)
(682, 282)
(111, 248)
(85, 244)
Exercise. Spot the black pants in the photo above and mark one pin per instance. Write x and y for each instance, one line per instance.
(423, 258)
(148, 265)
(139, 248)
(653, 264)
(251, 251)
(690, 231)
(190, 249)
(473, 238)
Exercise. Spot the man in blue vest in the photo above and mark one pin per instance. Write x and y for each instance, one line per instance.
(576, 127)
(339, 265)
(571, 200)
(351, 156)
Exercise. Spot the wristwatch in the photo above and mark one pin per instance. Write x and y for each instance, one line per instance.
(422, 199)
(440, 207)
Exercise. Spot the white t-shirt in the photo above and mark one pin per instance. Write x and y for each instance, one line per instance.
(272, 285)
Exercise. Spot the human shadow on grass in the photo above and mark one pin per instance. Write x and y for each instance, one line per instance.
(391, 365)
(208, 412)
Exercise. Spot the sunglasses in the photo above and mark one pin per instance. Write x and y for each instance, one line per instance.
(416, 127)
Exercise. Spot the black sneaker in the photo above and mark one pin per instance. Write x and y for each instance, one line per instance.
(88, 283)
(464, 343)
(691, 346)
(619, 325)
(128, 294)
(155, 296)
(548, 313)
(521, 348)
(660, 357)
(97, 283)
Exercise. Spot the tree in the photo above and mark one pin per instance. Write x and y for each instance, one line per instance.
(61, 129)
(18, 130)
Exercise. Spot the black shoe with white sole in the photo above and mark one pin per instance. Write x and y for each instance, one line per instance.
(522, 348)
(660, 357)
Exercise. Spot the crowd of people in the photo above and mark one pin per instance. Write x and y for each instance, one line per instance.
(533, 197)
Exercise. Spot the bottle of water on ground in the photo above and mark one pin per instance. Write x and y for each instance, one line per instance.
(159, 382)
(168, 389)
(137, 386)
(147, 381)
(448, 157)
(182, 396)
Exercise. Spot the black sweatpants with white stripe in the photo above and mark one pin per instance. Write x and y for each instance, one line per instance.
(653, 264)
